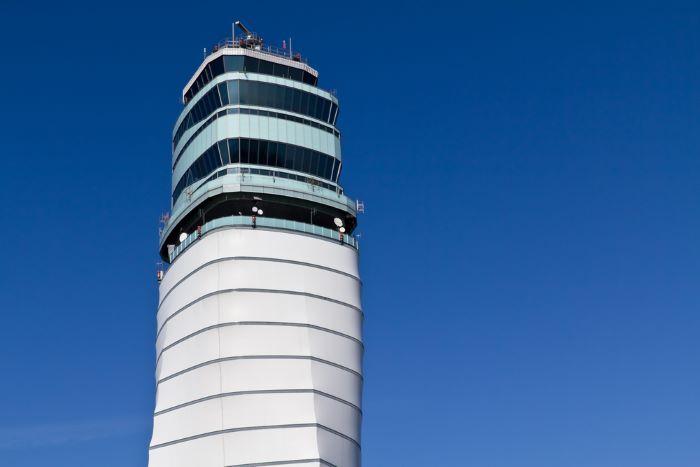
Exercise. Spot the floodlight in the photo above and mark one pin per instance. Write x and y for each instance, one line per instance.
(183, 237)
(255, 209)
(342, 230)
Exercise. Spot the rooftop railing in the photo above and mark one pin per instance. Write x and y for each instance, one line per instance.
(265, 223)
(266, 49)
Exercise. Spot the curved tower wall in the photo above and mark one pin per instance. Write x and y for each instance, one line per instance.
(259, 353)
(259, 325)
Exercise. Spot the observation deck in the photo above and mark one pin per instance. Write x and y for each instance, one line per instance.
(256, 137)
(290, 64)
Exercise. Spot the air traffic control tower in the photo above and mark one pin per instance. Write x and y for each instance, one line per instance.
(259, 324)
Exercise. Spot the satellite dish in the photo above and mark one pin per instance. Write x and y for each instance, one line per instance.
(255, 209)
(260, 213)
(183, 237)
(342, 230)
(338, 222)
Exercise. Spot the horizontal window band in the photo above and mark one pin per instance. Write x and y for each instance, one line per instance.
(259, 357)
(257, 428)
(255, 112)
(246, 64)
(298, 461)
(253, 290)
(257, 323)
(256, 258)
(257, 392)
(258, 94)
(259, 152)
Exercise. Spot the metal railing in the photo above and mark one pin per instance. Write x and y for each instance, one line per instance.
(267, 49)
(265, 223)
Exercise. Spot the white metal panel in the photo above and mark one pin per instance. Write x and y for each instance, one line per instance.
(233, 363)
(202, 452)
(243, 307)
(257, 447)
(264, 276)
(235, 376)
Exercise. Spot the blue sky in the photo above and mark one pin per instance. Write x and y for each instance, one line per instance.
(529, 249)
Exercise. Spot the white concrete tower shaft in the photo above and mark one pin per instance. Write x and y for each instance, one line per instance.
(259, 325)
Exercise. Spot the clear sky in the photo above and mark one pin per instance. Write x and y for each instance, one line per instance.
(529, 250)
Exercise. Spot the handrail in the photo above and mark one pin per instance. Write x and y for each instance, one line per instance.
(267, 49)
(262, 222)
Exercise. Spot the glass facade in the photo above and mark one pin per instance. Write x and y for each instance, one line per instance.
(262, 113)
(259, 152)
(228, 63)
(244, 92)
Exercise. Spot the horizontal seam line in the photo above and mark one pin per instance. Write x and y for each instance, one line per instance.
(255, 258)
(258, 357)
(253, 290)
(297, 461)
(255, 428)
(256, 323)
(257, 392)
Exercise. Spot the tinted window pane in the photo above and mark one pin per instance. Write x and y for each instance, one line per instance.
(296, 101)
(287, 99)
(265, 67)
(296, 74)
(217, 67)
(313, 99)
(245, 157)
(223, 93)
(304, 109)
(281, 70)
(332, 168)
(324, 166)
(253, 151)
(277, 96)
(314, 163)
(244, 92)
(309, 79)
(325, 109)
(266, 96)
(233, 150)
(262, 153)
(335, 114)
(291, 153)
(308, 157)
(298, 160)
(233, 62)
(272, 156)
(336, 169)
(223, 151)
(232, 92)
(217, 98)
(251, 64)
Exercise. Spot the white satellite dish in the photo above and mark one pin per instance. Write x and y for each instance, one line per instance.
(255, 209)
(338, 222)
(342, 230)
(260, 213)
(183, 237)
